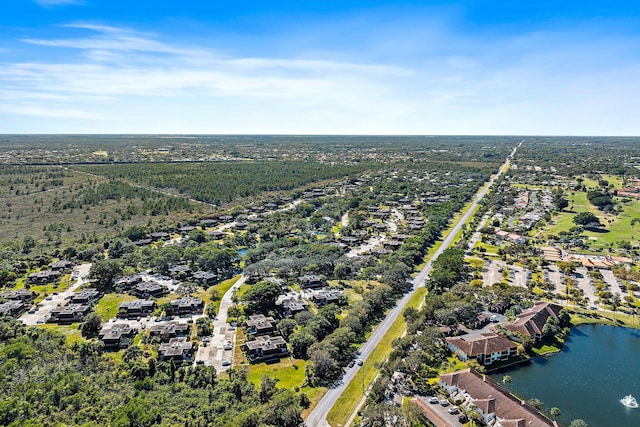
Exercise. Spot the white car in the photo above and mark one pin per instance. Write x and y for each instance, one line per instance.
(226, 363)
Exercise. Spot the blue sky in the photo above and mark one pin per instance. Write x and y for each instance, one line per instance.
(320, 67)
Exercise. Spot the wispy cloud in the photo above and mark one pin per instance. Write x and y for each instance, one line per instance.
(53, 3)
(115, 63)
(111, 79)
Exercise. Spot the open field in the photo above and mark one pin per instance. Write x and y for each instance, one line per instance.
(618, 227)
(108, 305)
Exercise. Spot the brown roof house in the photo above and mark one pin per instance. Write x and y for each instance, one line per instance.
(486, 348)
(493, 402)
(531, 322)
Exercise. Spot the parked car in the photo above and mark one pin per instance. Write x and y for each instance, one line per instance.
(226, 363)
(444, 402)
(433, 399)
(360, 362)
(453, 410)
(462, 418)
(351, 363)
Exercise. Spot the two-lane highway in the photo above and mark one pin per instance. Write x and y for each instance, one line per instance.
(317, 418)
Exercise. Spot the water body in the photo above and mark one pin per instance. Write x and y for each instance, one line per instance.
(598, 368)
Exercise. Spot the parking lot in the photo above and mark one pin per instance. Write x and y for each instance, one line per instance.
(444, 413)
(41, 314)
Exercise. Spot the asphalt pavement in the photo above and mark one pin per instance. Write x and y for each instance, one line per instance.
(317, 418)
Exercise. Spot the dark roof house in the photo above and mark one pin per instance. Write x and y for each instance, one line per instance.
(265, 348)
(179, 349)
(258, 324)
(117, 335)
(187, 305)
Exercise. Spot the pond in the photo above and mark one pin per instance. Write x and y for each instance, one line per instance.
(597, 368)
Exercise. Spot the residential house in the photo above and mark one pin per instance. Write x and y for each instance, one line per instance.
(137, 308)
(291, 306)
(531, 322)
(25, 295)
(167, 331)
(486, 348)
(266, 348)
(480, 321)
(187, 305)
(180, 270)
(451, 331)
(62, 265)
(117, 335)
(312, 281)
(148, 290)
(127, 282)
(13, 308)
(160, 235)
(86, 296)
(179, 349)
(259, 324)
(205, 277)
(495, 404)
(326, 297)
(69, 313)
(43, 277)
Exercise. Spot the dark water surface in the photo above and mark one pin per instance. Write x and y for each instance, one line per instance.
(598, 366)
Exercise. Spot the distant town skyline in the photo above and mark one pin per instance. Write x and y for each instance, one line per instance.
(320, 67)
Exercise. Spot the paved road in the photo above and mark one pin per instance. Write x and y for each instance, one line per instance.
(214, 353)
(61, 299)
(317, 418)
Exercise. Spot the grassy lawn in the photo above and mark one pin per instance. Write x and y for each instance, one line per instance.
(619, 227)
(220, 289)
(352, 394)
(108, 305)
(45, 290)
(490, 250)
(72, 332)
(288, 373)
(584, 317)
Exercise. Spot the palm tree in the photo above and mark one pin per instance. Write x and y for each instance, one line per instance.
(555, 412)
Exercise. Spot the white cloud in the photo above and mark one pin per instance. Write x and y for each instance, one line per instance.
(52, 3)
(119, 80)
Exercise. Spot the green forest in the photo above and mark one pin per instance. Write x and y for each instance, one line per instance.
(47, 381)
